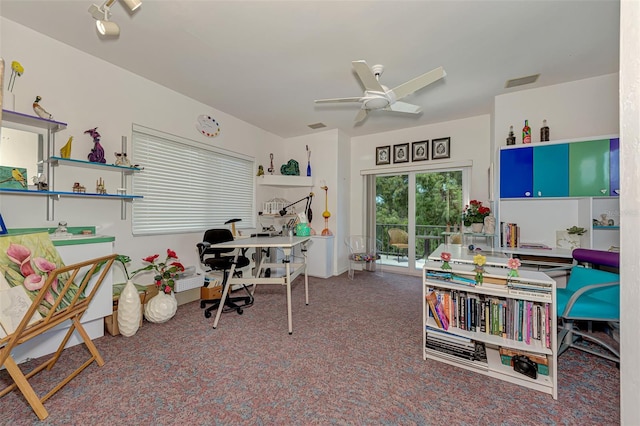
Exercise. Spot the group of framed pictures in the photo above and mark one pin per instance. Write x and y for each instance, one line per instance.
(416, 151)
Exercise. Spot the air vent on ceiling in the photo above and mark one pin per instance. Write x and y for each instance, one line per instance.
(514, 82)
(317, 125)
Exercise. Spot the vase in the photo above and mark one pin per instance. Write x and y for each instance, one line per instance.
(489, 224)
(129, 312)
(161, 308)
(476, 227)
(565, 240)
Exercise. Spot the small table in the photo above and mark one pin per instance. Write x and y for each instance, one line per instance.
(292, 270)
(427, 242)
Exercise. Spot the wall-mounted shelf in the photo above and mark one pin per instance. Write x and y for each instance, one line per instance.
(32, 121)
(283, 180)
(55, 161)
(58, 194)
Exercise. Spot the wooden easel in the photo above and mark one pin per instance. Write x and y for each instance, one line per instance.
(57, 314)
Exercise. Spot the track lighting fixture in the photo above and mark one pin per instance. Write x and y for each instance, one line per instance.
(102, 14)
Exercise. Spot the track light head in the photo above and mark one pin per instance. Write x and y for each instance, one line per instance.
(107, 28)
(132, 4)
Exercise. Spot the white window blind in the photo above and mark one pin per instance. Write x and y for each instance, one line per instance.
(188, 186)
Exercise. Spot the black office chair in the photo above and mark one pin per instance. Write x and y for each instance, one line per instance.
(215, 259)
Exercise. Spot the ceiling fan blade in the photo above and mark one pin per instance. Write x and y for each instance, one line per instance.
(324, 101)
(361, 115)
(366, 76)
(419, 82)
(404, 107)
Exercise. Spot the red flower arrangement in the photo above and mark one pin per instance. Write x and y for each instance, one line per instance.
(165, 271)
(475, 212)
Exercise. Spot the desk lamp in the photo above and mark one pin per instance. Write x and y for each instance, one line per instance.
(233, 225)
(307, 210)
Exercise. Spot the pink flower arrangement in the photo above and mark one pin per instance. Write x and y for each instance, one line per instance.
(445, 257)
(165, 272)
(513, 265)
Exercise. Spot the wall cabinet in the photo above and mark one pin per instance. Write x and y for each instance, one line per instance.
(51, 162)
(589, 168)
(487, 324)
(561, 169)
(552, 186)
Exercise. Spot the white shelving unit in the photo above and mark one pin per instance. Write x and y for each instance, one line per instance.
(497, 287)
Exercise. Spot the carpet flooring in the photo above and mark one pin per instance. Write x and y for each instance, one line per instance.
(354, 358)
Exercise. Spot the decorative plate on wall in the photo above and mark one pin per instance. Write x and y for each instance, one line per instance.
(208, 126)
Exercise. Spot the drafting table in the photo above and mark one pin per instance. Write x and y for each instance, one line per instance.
(291, 270)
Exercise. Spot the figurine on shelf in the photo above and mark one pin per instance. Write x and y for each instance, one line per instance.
(79, 188)
(326, 214)
(122, 160)
(260, 170)
(65, 151)
(40, 182)
(97, 152)
(41, 112)
(100, 189)
(271, 169)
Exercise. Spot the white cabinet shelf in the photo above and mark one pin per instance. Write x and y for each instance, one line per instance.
(485, 315)
(283, 180)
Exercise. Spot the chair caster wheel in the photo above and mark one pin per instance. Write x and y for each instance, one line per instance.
(202, 305)
(240, 311)
(207, 314)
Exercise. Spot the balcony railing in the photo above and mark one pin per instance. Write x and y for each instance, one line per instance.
(428, 237)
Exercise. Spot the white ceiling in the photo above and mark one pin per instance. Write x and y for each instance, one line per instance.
(265, 62)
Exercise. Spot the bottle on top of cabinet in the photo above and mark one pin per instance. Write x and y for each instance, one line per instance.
(511, 139)
(544, 132)
(526, 132)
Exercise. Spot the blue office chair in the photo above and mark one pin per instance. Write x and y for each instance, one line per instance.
(591, 295)
(216, 259)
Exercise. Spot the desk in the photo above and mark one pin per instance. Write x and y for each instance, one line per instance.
(292, 270)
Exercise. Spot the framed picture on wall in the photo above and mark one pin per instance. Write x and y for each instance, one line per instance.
(440, 148)
(420, 151)
(401, 153)
(383, 155)
(3, 228)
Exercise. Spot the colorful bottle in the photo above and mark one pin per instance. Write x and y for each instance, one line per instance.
(544, 132)
(511, 139)
(526, 132)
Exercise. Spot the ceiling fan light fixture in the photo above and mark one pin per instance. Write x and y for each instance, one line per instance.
(376, 103)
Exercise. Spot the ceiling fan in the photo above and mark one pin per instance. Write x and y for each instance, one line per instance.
(380, 97)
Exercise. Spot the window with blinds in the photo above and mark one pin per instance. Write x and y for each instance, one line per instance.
(188, 186)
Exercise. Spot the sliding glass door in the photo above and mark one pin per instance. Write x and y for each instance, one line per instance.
(412, 210)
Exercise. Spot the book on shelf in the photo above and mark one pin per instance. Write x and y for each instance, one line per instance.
(438, 314)
(534, 246)
(509, 235)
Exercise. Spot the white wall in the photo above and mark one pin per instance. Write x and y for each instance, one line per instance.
(470, 140)
(86, 92)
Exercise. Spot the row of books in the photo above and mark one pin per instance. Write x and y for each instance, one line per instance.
(450, 277)
(515, 319)
(509, 235)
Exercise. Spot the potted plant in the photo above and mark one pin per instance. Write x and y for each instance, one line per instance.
(569, 238)
(473, 215)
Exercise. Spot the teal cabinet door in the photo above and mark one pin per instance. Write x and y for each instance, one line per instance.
(551, 171)
(589, 168)
(516, 173)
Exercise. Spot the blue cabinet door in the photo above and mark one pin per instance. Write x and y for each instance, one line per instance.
(614, 167)
(551, 171)
(516, 173)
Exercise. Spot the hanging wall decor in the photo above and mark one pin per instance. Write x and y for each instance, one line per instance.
(440, 148)
(401, 153)
(420, 151)
(208, 126)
